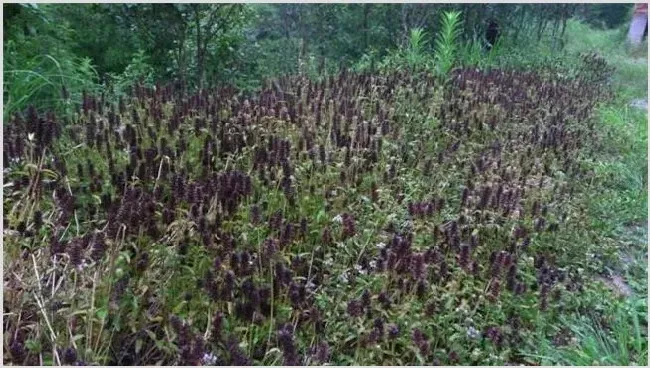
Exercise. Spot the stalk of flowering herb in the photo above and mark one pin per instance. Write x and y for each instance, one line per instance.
(355, 308)
(495, 289)
(296, 294)
(372, 337)
(228, 286)
(349, 229)
(275, 221)
(256, 215)
(494, 334)
(194, 355)
(322, 355)
(56, 246)
(286, 235)
(495, 269)
(411, 209)
(75, 252)
(421, 288)
(98, 248)
(511, 277)
(303, 227)
(69, 356)
(365, 299)
(18, 351)
(506, 259)
(374, 195)
(393, 331)
(269, 248)
(543, 297)
(464, 256)
(237, 356)
(420, 340)
(520, 288)
(384, 300)
(444, 272)
(418, 266)
(464, 197)
(288, 347)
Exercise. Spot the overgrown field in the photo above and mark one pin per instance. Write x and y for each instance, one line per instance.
(368, 219)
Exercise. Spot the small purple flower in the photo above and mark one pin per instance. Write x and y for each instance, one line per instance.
(18, 351)
(384, 299)
(355, 308)
(322, 352)
(393, 331)
(365, 299)
(69, 356)
(209, 359)
(349, 227)
(421, 342)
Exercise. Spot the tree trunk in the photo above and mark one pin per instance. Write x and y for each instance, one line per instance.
(366, 30)
(540, 28)
(200, 51)
(405, 24)
(565, 15)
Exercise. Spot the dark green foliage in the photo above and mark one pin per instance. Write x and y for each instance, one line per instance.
(607, 15)
(39, 67)
(231, 44)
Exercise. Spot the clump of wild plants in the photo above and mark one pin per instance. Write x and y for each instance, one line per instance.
(359, 219)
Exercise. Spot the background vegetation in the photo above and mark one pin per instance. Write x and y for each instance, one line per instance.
(47, 46)
(64, 58)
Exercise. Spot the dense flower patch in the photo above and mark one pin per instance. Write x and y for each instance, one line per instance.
(362, 218)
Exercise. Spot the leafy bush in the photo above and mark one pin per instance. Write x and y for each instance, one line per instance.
(47, 83)
(37, 66)
(137, 71)
(417, 56)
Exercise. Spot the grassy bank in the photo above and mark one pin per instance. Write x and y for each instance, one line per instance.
(614, 332)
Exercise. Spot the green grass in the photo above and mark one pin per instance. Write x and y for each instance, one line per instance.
(631, 76)
(40, 80)
(623, 342)
(617, 213)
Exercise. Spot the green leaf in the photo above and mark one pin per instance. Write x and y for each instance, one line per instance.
(102, 313)
(33, 346)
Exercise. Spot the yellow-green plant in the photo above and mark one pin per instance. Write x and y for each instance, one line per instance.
(446, 43)
(415, 55)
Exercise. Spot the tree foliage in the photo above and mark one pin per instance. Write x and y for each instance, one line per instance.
(242, 44)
